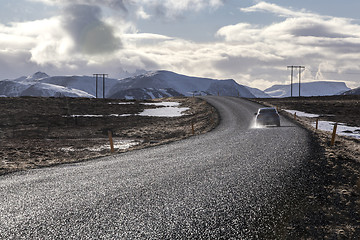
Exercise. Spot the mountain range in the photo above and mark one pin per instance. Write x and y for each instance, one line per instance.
(149, 85)
(317, 88)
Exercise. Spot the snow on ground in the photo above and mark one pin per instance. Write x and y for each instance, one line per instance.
(302, 114)
(165, 109)
(164, 104)
(164, 112)
(118, 144)
(86, 115)
(342, 129)
(120, 103)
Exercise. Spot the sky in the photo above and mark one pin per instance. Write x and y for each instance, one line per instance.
(249, 41)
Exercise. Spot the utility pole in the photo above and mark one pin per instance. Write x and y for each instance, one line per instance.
(96, 88)
(300, 67)
(292, 71)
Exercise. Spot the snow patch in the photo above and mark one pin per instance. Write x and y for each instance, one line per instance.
(165, 109)
(120, 103)
(328, 126)
(164, 104)
(342, 129)
(164, 112)
(118, 144)
(302, 114)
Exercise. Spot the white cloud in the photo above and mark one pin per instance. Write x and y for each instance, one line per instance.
(252, 54)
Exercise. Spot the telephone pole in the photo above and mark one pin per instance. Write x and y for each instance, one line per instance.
(96, 86)
(292, 71)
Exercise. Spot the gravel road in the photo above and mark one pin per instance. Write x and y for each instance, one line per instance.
(233, 182)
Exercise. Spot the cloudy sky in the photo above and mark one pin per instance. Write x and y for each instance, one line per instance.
(250, 41)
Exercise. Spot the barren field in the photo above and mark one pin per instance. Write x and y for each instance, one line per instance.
(39, 132)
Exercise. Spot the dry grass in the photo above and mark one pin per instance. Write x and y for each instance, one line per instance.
(34, 132)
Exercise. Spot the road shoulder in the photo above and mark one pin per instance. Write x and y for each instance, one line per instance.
(334, 199)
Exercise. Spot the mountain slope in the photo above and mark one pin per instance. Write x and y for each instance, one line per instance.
(258, 93)
(41, 84)
(319, 88)
(182, 84)
(145, 93)
(50, 90)
(355, 91)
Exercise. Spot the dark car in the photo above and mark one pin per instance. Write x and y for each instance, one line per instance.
(267, 116)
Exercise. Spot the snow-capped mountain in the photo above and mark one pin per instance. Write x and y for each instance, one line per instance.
(184, 85)
(51, 90)
(41, 84)
(319, 88)
(155, 84)
(355, 91)
(258, 93)
(145, 93)
(144, 86)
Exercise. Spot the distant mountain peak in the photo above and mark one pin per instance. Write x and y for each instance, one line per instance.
(38, 75)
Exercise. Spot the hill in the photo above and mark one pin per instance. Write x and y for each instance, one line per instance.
(181, 84)
(318, 88)
(355, 91)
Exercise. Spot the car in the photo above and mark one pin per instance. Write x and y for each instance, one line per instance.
(267, 116)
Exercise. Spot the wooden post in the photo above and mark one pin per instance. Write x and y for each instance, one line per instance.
(295, 116)
(317, 123)
(333, 135)
(111, 142)
(192, 128)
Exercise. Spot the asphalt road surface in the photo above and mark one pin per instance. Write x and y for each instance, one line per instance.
(233, 182)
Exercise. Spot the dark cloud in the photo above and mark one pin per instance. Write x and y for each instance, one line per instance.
(90, 34)
(318, 31)
(113, 4)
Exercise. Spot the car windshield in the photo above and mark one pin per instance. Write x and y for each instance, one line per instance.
(267, 110)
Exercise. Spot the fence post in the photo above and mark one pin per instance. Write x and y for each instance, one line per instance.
(111, 142)
(333, 135)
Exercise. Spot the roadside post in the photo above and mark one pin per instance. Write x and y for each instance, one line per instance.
(192, 128)
(295, 116)
(111, 142)
(317, 124)
(333, 135)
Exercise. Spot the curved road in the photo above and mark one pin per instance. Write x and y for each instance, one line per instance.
(235, 181)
